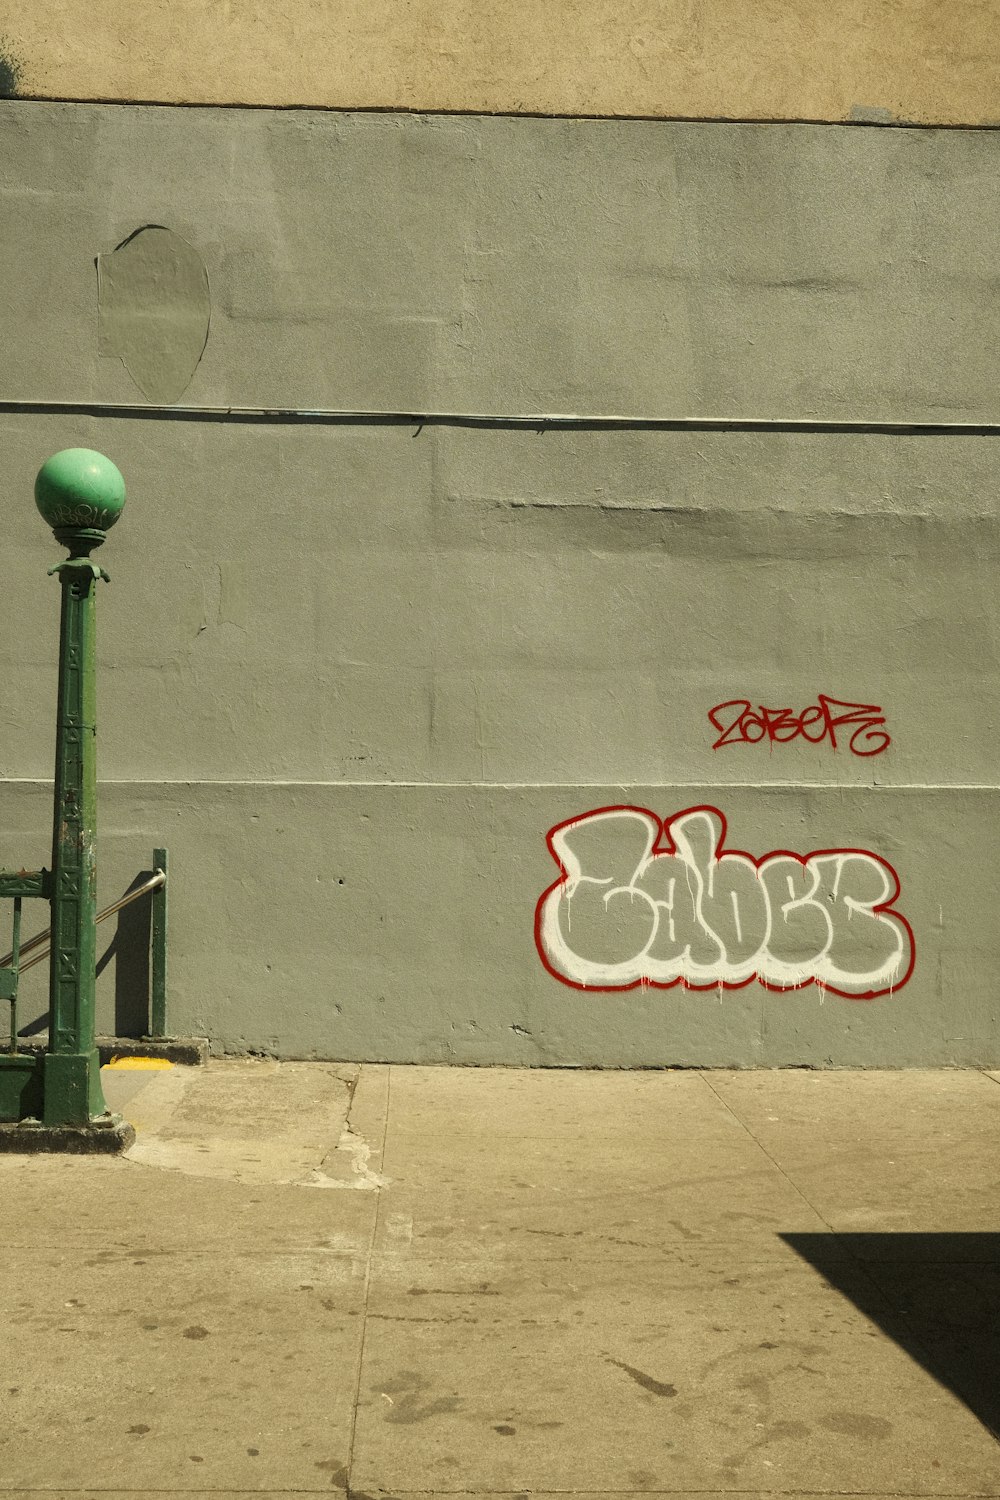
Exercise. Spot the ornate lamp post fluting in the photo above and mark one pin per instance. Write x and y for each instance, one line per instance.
(80, 494)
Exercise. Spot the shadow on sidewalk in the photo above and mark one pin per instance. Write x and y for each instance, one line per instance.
(936, 1295)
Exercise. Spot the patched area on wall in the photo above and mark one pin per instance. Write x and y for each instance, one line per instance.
(154, 310)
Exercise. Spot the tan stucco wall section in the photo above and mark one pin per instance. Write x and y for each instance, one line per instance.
(922, 61)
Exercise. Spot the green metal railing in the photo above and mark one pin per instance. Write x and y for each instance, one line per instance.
(13, 964)
(80, 494)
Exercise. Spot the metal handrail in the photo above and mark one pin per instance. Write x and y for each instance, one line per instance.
(154, 882)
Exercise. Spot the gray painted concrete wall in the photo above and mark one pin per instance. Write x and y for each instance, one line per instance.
(498, 265)
(353, 674)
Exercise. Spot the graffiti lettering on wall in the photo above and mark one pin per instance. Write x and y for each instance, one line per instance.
(645, 902)
(739, 722)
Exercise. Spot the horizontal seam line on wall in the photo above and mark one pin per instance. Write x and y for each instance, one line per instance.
(763, 121)
(569, 786)
(529, 421)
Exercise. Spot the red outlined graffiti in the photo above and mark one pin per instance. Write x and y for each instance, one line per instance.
(659, 903)
(739, 722)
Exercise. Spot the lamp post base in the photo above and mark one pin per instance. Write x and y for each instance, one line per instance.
(73, 1093)
(104, 1135)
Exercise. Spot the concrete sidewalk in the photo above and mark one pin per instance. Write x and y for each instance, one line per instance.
(399, 1280)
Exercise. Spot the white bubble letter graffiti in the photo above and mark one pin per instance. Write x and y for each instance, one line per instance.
(642, 902)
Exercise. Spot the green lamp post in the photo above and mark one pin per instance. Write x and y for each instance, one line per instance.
(80, 494)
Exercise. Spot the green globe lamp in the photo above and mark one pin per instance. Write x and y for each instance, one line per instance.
(81, 494)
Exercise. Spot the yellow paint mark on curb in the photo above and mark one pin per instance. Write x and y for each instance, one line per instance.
(139, 1062)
